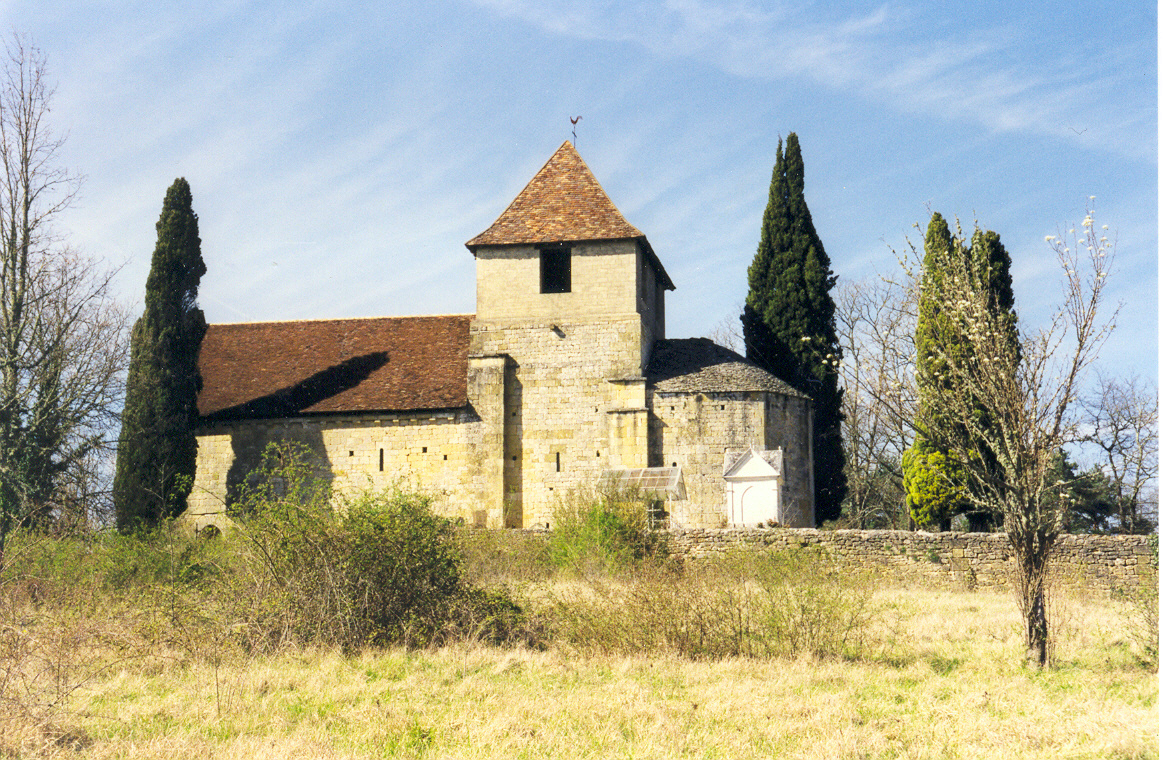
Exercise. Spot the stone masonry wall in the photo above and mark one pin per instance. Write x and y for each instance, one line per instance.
(574, 393)
(438, 453)
(692, 431)
(789, 426)
(574, 406)
(650, 305)
(603, 282)
(963, 560)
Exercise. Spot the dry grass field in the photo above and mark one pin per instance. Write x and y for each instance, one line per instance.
(284, 639)
(941, 676)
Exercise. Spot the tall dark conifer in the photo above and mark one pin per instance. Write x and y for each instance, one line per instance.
(157, 446)
(934, 477)
(788, 319)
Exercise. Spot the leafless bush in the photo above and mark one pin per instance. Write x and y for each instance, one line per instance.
(773, 605)
(503, 557)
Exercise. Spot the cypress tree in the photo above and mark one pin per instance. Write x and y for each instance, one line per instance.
(788, 319)
(933, 475)
(157, 446)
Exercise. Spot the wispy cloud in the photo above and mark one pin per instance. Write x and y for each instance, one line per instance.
(341, 153)
(888, 54)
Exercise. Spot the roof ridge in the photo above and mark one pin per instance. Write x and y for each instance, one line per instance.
(530, 181)
(337, 319)
(598, 185)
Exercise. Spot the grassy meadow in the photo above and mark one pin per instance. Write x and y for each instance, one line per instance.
(165, 647)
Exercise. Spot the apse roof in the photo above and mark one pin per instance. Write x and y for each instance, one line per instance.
(698, 365)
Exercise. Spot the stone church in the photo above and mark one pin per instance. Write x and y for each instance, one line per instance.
(561, 380)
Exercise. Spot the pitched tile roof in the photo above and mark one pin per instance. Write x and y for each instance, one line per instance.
(279, 369)
(563, 202)
(695, 365)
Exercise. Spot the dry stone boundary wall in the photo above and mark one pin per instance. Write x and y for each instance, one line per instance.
(963, 560)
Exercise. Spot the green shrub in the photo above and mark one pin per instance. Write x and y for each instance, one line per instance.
(492, 616)
(403, 566)
(602, 531)
(127, 563)
(375, 569)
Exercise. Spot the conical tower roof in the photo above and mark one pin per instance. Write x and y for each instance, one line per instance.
(562, 203)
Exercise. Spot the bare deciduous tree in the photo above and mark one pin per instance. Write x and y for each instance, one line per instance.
(727, 331)
(62, 336)
(875, 324)
(1120, 419)
(1033, 410)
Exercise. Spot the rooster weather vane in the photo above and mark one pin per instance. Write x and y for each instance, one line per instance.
(573, 121)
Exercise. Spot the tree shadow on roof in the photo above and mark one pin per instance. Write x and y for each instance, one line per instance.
(295, 399)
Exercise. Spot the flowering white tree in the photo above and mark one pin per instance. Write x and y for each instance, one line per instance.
(1033, 407)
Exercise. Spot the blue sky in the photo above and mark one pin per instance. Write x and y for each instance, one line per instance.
(341, 153)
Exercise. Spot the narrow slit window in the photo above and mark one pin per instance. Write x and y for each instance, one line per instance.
(382, 460)
(557, 462)
(555, 266)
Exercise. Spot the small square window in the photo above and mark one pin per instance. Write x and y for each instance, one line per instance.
(555, 268)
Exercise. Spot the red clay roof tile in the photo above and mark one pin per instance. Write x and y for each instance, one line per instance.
(281, 369)
(563, 202)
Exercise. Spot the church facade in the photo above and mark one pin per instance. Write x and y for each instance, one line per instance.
(561, 378)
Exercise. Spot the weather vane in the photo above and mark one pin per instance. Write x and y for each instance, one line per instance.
(573, 121)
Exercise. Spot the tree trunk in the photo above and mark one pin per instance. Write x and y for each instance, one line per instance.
(1031, 565)
(1036, 624)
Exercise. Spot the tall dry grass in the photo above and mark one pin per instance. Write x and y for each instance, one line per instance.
(954, 686)
(112, 647)
(744, 605)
